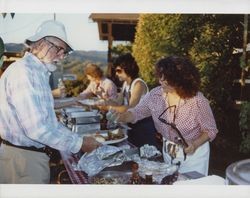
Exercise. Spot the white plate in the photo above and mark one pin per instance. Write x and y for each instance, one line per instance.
(89, 102)
(115, 141)
(105, 134)
(63, 100)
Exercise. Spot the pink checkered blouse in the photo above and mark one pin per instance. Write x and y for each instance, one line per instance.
(192, 116)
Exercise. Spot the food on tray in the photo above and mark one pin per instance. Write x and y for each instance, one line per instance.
(109, 135)
(170, 179)
(115, 134)
(100, 138)
(105, 181)
(110, 177)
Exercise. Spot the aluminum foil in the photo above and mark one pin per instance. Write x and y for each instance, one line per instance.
(102, 157)
(158, 169)
(147, 151)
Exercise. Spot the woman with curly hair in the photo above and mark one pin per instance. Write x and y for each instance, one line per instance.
(181, 114)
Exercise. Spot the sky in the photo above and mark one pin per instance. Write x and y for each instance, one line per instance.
(82, 32)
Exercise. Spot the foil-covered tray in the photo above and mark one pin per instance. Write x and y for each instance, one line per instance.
(100, 158)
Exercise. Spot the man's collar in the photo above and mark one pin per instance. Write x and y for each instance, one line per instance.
(46, 67)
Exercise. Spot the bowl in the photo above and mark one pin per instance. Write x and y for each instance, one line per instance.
(238, 173)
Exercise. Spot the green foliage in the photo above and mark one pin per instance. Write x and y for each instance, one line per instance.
(208, 40)
(74, 88)
(161, 35)
(121, 49)
(148, 39)
(244, 123)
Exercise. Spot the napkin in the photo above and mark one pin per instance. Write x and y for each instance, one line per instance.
(208, 180)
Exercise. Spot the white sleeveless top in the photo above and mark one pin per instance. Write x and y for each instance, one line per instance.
(126, 90)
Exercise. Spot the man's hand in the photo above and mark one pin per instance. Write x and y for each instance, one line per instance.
(89, 144)
(103, 108)
(59, 92)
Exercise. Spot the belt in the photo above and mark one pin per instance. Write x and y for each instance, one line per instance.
(30, 148)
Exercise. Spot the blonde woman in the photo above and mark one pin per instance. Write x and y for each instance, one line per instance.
(99, 85)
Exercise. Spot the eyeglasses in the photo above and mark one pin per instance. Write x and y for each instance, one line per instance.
(118, 71)
(58, 48)
(172, 125)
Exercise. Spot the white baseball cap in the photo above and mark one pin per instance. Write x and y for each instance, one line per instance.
(50, 28)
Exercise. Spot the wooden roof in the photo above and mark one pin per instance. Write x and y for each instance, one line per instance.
(126, 18)
(119, 27)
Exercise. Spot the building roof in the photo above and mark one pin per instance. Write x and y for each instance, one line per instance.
(124, 18)
(118, 27)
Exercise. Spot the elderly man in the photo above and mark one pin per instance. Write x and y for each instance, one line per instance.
(27, 119)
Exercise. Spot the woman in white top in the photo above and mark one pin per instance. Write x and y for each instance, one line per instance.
(133, 90)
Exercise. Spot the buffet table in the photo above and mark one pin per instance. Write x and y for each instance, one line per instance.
(76, 177)
(80, 177)
(190, 178)
(70, 161)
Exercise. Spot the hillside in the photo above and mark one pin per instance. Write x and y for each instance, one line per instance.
(81, 56)
(93, 56)
(14, 47)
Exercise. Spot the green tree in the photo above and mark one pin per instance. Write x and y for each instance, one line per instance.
(121, 49)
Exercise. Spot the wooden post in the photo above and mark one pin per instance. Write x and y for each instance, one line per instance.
(110, 43)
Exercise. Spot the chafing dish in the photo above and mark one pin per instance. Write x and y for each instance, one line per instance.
(79, 120)
(85, 117)
(85, 128)
(65, 112)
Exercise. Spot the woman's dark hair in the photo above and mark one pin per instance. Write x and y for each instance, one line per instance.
(180, 73)
(128, 64)
(93, 70)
